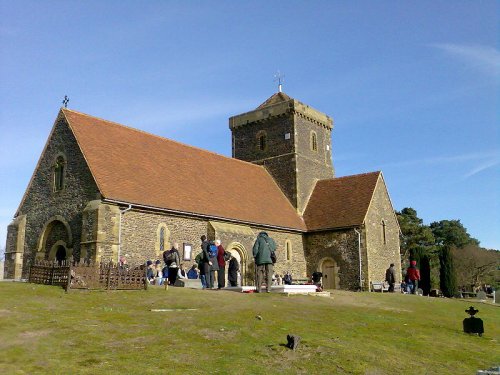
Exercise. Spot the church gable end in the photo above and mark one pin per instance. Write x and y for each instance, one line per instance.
(382, 234)
(60, 187)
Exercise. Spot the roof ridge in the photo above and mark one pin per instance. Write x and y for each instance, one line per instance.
(162, 138)
(351, 175)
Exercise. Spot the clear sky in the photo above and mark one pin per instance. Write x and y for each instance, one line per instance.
(412, 86)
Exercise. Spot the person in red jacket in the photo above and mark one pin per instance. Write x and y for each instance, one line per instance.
(412, 277)
(221, 260)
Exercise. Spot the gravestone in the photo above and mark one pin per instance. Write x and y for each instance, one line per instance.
(481, 295)
(473, 324)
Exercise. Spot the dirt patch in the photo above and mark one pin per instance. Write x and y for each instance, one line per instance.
(26, 338)
(220, 334)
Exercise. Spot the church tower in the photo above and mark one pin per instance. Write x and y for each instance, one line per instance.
(289, 138)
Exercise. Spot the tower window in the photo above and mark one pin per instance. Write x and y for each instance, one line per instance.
(314, 141)
(261, 140)
(59, 173)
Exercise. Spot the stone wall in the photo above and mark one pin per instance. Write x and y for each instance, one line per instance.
(278, 156)
(382, 251)
(139, 235)
(42, 205)
(294, 165)
(311, 165)
(246, 141)
(14, 249)
(342, 247)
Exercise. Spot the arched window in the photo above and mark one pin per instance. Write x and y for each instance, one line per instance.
(59, 170)
(288, 250)
(162, 239)
(314, 141)
(384, 238)
(261, 140)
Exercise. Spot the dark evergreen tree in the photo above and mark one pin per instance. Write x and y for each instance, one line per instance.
(452, 233)
(447, 273)
(425, 274)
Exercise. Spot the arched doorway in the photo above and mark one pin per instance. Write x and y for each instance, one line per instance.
(239, 253)
(60, 254)
(330, 272)
(55, 241)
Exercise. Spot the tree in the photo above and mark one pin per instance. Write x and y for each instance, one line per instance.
(447, 273)
(417, 243)
(417, 238)
(475, 266)
(452, 233)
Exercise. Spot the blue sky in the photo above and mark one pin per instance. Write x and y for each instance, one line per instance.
(412, 86)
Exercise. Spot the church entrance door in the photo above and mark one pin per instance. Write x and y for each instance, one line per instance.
(239, 253)
(60, 254)
(236, 254)
(329, 270)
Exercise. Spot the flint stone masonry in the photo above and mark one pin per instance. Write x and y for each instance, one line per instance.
(41, 204)
(342, 247)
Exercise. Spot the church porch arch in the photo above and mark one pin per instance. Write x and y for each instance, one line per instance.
(241, 254)
(55, 241)
(330, 270)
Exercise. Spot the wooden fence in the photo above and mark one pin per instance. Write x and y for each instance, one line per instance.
(87, 276)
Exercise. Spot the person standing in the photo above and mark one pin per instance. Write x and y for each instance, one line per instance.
(214, 264)
(221, 260)
(205, 261)
(175, 260)
(262, 249)
(412, 277)
(232, 271)
(390, 277)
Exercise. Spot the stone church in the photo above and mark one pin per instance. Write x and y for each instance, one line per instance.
(101, 190)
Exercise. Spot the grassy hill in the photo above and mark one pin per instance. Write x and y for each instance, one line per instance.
(43, 330)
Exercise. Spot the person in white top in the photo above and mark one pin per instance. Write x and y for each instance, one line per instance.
(181, 273)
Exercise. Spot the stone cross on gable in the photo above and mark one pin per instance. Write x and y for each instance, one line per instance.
(65, 101)
(280, 78)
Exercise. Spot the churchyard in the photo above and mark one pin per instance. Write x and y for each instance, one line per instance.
(45, 330)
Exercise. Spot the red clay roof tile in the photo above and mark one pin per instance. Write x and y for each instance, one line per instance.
(136, 167)
(340, 202)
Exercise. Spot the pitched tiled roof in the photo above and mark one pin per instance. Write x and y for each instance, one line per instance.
(340, 202)
(132, 166)
(279, 97)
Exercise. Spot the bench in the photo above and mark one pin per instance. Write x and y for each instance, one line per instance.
(379, 286)
(301, 281)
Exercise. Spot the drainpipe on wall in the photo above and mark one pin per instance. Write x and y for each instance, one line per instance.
(360, 265)
(120, 232)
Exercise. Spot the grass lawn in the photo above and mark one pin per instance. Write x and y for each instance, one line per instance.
(44, 330)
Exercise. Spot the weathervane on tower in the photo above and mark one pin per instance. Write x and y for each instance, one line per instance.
(280, 78)
(65, 101)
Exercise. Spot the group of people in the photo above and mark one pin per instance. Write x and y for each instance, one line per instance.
(168, 272)
(411, 279)
(212, 262)
(285, 279)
